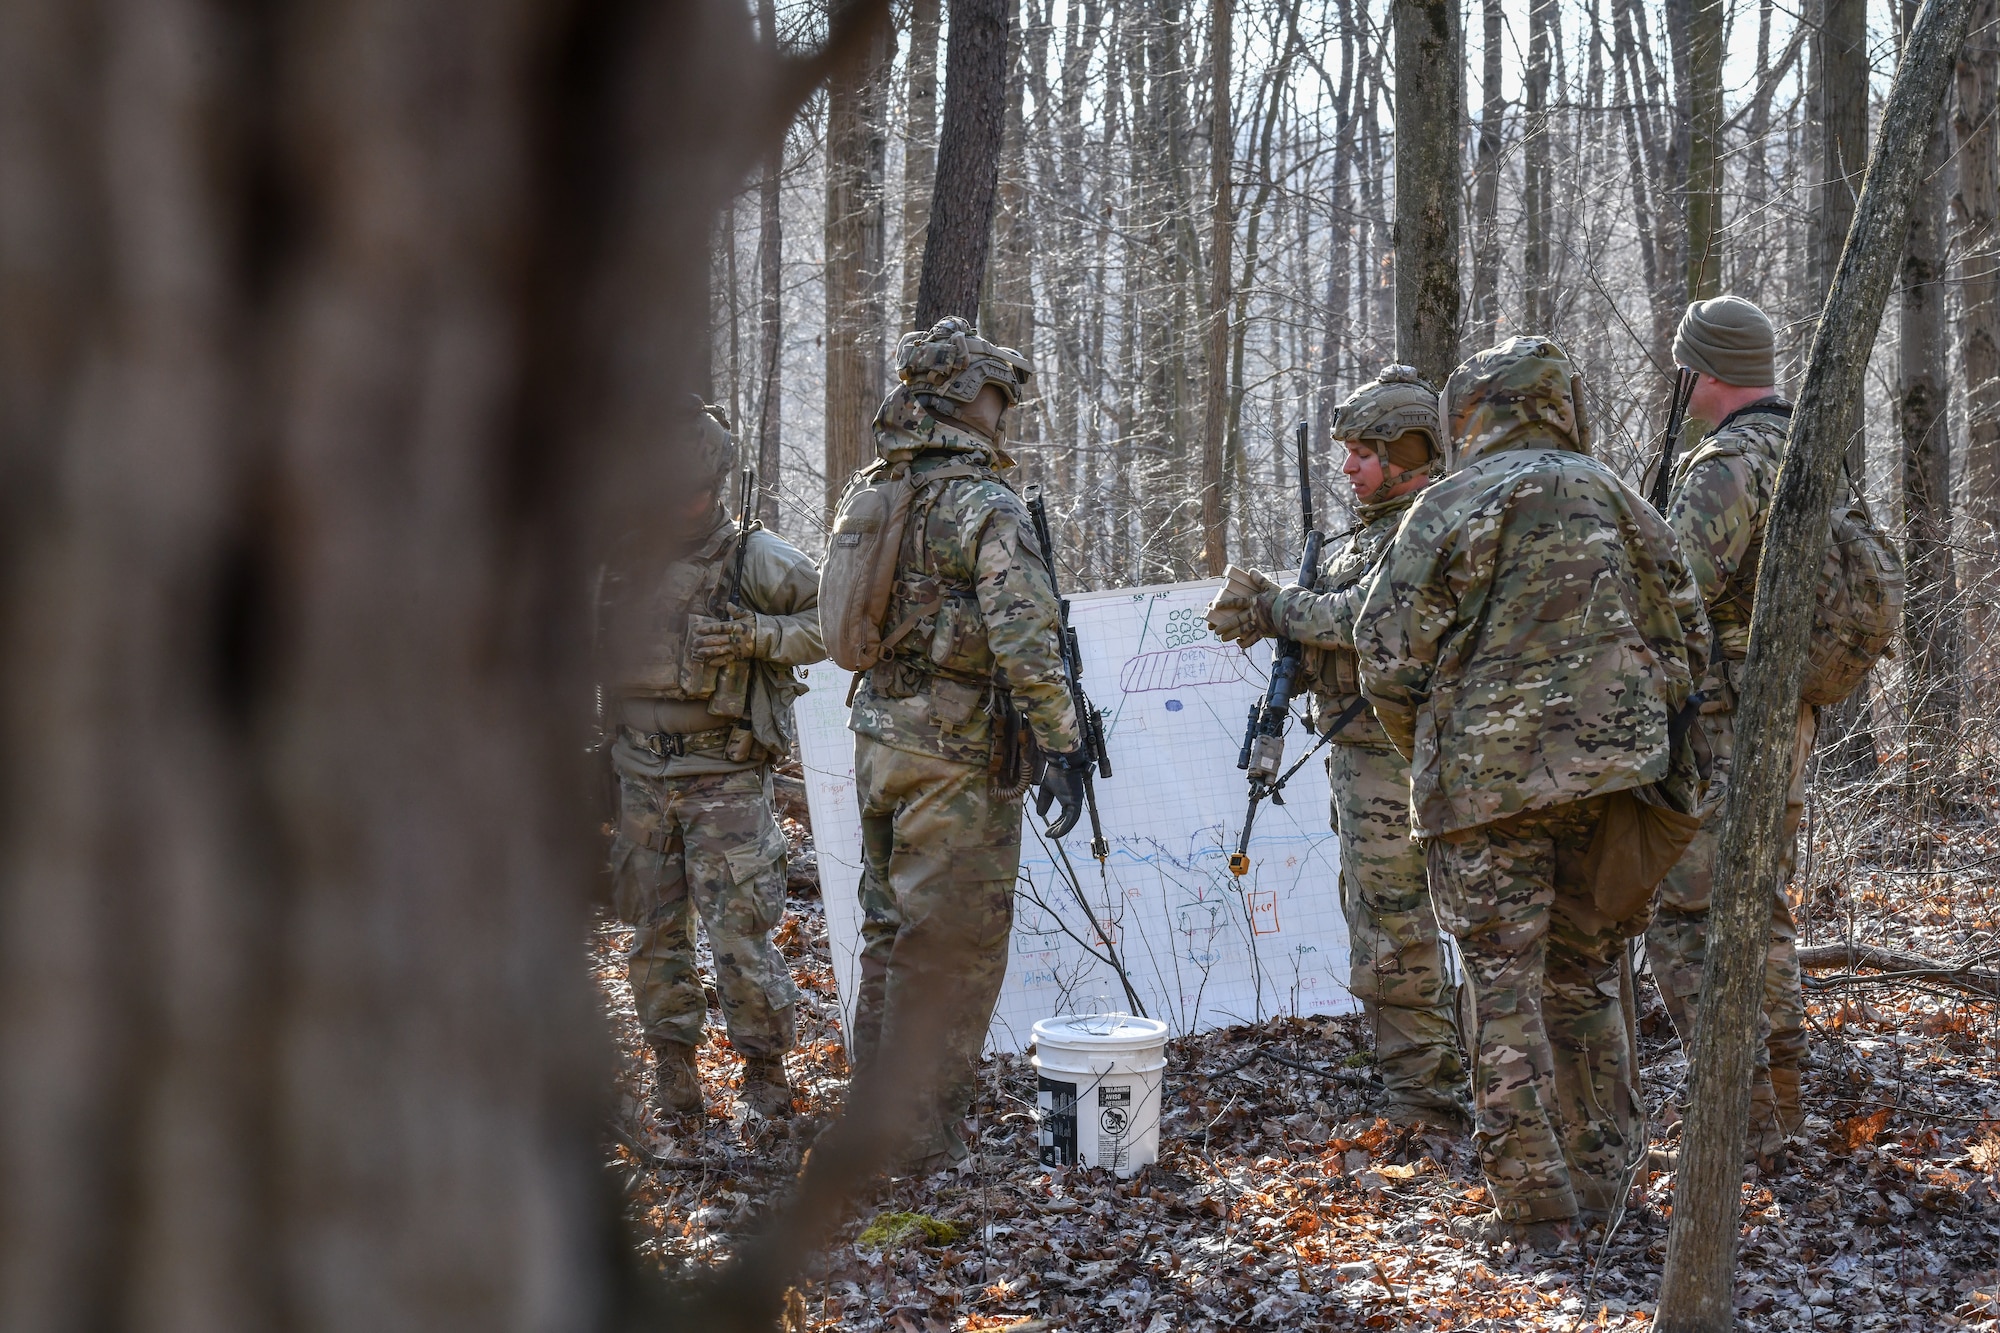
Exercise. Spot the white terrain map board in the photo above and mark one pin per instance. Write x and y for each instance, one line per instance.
(1203, 948)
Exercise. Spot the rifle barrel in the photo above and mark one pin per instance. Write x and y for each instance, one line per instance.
(1305, 476)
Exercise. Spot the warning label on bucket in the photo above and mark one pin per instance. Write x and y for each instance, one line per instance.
(1057, 1137)
(1114, 1120)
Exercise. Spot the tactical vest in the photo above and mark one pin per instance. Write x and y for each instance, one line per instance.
(947, 638)
(656, 662)
(1336, 672)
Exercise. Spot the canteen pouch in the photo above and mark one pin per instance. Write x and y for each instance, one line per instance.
(1637, 842)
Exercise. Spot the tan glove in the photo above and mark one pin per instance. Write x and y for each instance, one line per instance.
(1241, 611)
(725, 640)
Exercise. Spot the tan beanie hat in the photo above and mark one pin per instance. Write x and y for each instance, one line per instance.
(1729, 338)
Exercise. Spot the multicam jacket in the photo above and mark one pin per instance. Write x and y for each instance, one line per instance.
(1721, 496)
(1323, 620)
(971, 541)
(1529, 632)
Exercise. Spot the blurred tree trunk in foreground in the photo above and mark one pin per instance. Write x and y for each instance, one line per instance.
(335, 339)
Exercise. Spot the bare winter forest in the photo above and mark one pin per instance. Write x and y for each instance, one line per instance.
(1195, 240)
(335, 342)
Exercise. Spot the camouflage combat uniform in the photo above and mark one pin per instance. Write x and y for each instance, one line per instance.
(1396, 967)
(1528, 636)
(941, 848)
(692, 747)
(1721, 494)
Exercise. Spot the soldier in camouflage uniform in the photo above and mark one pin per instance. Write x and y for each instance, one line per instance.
(1529, 634)
(942, 846)
(1721, 495)
(1396, 965)
(700, 694)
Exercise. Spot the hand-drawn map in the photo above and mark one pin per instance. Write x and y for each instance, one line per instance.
(1203, 948)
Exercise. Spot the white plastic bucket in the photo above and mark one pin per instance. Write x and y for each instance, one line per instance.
(1099, 1095)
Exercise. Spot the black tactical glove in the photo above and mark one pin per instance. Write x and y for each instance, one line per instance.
(1062, 784)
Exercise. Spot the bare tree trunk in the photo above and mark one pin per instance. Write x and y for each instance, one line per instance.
(856, 164)
(968, 166)
(1840, 64)
(1976, 213)
(1535, 296)
(1704, 187)
(299, 496)
(1009, 314)
(919, 147)
(1428, 182)
(1486, 190)
(1222, 232)
(1336, 317)
(1930, 630)
(1696, 1290)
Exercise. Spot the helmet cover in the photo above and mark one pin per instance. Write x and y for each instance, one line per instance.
(1395, 403)
(950, 363)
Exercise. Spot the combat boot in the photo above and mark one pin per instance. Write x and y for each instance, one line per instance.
(1764, 1146)
(766, 1089)
(1785, 1098)
(676, 1081)
(1492, 1231)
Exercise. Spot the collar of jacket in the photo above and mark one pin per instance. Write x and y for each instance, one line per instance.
(1773, 406)
(1370, 512)
(937, 436)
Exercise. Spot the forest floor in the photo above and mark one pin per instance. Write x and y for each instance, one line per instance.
(1280, 1201)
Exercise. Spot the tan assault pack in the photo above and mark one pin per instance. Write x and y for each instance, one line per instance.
(1858, 607)
(858, 580)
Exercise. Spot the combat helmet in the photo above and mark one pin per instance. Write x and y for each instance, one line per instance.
(1524, 387)
(1396, 403)
(946, 366)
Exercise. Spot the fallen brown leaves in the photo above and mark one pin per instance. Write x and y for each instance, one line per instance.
(1280, 1201)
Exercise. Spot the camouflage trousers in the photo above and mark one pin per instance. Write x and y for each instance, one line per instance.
(1557, 1121)
(1395, 960)
(1677, 942)
(706, 845)
(937, 900)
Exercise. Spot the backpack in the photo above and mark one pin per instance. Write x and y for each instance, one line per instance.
(1857, 608)
(859, 578)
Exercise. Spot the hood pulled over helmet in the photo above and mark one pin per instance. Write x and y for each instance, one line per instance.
(711, 450)
(1522, 391)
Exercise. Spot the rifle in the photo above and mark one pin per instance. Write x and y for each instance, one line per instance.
(1087, 720)
(747, 496)
(1676, 419)
(738, 677)
(1264, 735)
